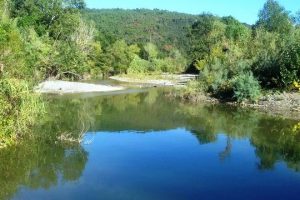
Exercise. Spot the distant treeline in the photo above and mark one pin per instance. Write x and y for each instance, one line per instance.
(163, 28)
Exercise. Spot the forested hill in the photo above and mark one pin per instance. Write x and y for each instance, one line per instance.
(164, 28)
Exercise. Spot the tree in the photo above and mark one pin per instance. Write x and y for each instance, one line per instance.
(122, 55)
(45, 15)
(150, 51)
(289, 64)
(274, 18)
(199, 36)
(235, 30)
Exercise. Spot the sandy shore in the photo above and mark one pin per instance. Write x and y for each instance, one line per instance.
(161, 80)
(65, 87)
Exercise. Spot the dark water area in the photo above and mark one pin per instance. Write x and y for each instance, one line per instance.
(142, 145)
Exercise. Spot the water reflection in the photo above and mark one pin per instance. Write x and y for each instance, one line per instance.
(274, 139)
(36, 164)
(45, 162)
(277, 140)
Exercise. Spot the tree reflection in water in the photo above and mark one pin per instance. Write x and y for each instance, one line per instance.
(43, 161)
(274, 139)
(39, 165)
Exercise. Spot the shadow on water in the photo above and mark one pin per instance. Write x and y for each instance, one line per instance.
(45, 162)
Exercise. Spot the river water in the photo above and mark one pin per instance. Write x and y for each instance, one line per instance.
(142, 145)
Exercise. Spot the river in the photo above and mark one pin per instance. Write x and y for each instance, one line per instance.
(141, 145)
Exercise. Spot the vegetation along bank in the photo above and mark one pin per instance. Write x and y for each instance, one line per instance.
(62, 40)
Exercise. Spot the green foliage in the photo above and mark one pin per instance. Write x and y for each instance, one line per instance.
(289, 64)
(265, 66)
(179, 62)
(246, 87)
(41, 39)
(235, 30)
(199, 35)
(230, 81)
(225, 58)
(274, 18)
(215, 79)
(120, 55)
(139, 65)
(277, 64)
(163, 28)
(58, 17)
(18, 109)
(226, 51)
(124, 58)
(150, 51)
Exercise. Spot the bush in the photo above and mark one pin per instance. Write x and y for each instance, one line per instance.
(215, 80)
(163, 65)
(178, 62)
(19, 107)
(289, 64)
(138, 65)
(175, 63)
(246, 87)
(265, 66)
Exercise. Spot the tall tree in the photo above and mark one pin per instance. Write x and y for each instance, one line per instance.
(199, 36)
(274, 18)
(45, 14)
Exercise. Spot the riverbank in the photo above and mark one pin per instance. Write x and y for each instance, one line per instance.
(156, 80)
(286, 105)
(66, 87)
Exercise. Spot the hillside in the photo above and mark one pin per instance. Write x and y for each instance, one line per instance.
(164, 28)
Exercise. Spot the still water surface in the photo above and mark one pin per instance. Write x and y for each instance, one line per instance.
(144, 146)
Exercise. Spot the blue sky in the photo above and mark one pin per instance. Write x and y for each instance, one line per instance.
(244, 10)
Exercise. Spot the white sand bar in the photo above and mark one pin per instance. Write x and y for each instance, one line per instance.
(65, 87)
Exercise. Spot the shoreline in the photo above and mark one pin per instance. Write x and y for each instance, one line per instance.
(156, 80)
(286, 105)
(67, 87)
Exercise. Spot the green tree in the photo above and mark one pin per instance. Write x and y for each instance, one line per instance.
(235, 30)
(121, 55)
(289, 63)
(54, 16)
(274, 18)
(150, 51)
(199, 36)
(246, 87)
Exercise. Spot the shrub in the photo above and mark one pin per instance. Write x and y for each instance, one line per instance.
(163, 65)
(265, 67)
(289, 64)
(138, 65)
(246, 87)
(215, 79)
(18, 110)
